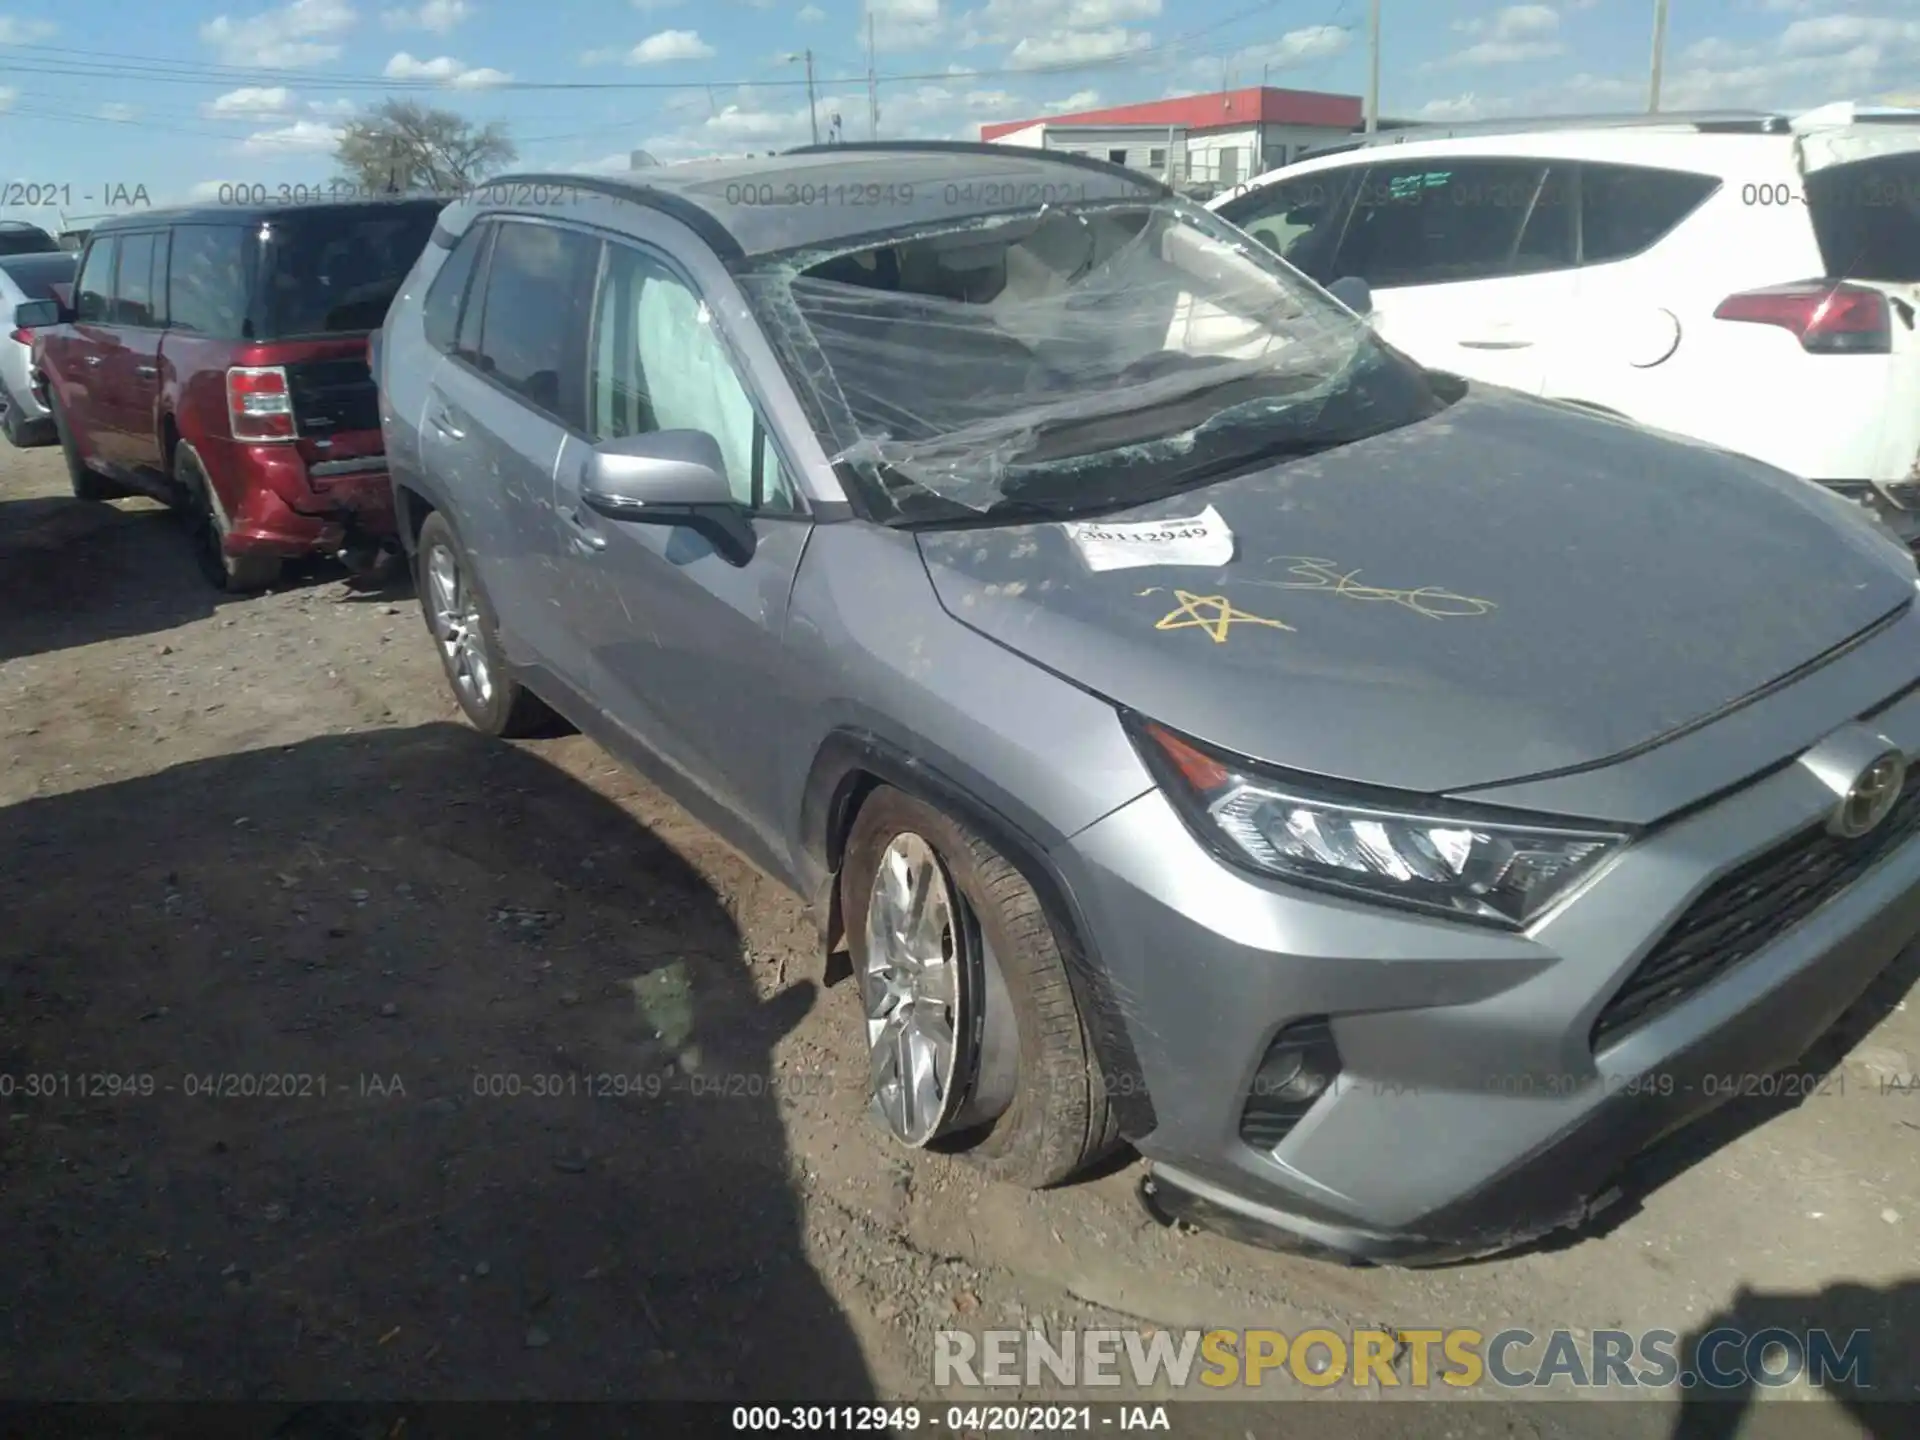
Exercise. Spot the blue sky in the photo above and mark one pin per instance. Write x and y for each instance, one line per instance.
(101, 94)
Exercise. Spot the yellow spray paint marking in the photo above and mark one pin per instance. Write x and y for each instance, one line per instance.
(1214, 614)
(1429, 600)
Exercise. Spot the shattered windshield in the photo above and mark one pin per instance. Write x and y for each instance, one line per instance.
(1080, 353)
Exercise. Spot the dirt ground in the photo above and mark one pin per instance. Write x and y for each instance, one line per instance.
(346, 1053)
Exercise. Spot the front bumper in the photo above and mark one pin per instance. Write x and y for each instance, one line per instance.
(1471, 1112)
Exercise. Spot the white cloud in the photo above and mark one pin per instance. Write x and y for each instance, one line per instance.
(438, 17)
(1517, 33)
(670, 45)
(24, 32)
(250, 102)
(207, 192)
(1073, 47)
(1841, 32)
(1079, 100)
(300, 137)
(445, 69)
(8, 94)
(339, 109)
(903, 24)
(305, 32)
(1296, 47)
(1462, 107)
(118, 110)
(1810, 62)
(810, 15)
(923, 111)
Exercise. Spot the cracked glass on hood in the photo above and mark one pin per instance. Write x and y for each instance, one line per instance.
(1080, 352)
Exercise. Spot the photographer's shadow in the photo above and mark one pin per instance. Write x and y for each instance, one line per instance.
(507, 1125)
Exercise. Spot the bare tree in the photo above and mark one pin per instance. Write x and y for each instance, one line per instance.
(401, 146)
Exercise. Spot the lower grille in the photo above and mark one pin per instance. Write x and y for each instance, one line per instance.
(1748, 909)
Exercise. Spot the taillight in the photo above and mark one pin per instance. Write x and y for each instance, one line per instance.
(259, 404)
(1828, 318)
(23, 335)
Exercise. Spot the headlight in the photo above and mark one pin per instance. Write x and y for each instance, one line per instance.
(1457, 865)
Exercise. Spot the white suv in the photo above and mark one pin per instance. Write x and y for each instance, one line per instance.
(1747, 280)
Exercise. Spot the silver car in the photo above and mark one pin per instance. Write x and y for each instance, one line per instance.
(1388, 802)
(25, 278)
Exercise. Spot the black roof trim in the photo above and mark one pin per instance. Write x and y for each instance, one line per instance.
(702, 222)
(986, 147)
(249, 214)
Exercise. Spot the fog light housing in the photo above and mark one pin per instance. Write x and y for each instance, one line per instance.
(1301, 1065)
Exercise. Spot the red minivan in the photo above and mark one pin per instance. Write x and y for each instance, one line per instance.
(216, 359)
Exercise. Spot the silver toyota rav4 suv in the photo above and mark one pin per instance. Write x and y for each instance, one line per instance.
(1388, 802)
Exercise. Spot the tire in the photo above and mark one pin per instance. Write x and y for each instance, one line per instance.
(1028, 1104)
(12, 424)
(234, 574)
(460, 619)
(85, 484)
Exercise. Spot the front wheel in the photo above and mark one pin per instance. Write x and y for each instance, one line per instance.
(975, 1040)
(462, 625)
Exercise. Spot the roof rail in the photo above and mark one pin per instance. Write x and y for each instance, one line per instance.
(985, 147)
(1735, 122)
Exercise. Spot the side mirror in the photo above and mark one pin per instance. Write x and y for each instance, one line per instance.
(37, 314)
(669, 477)
(1354, 293)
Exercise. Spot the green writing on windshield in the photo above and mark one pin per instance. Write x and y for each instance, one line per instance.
(1402, 186)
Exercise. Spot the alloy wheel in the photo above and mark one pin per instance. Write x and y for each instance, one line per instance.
(913, 989)
(455, 614)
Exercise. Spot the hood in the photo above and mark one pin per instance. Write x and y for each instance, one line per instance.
(1508, 588)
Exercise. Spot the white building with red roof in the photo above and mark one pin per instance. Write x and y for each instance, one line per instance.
(1197, 142)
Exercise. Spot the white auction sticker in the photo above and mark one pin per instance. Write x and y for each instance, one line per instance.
(1202, 540)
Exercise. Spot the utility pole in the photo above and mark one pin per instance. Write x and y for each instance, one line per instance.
(1659, 55)
(873, 86)
(1373, 70)
(813, 115)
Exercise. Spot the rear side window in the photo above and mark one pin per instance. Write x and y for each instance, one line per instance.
(36, 275)
(335, 272)
(539, 296)
(1299, 220)
(133, 289)
(1866, 216)
(19, 238)
(1625, 209)
(1433, 221)
(210, 279)
(466, 344)
(440, 315)
(93, 297)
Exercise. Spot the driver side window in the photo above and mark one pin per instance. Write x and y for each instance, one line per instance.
(1299, 220)
(658, 363)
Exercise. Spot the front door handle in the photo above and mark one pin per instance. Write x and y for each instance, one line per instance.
(584, 537)
(1496, 344)
(94, 359)
(148, 372)
(440, 420)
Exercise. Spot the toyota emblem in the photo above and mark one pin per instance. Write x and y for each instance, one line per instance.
(1871, 797)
